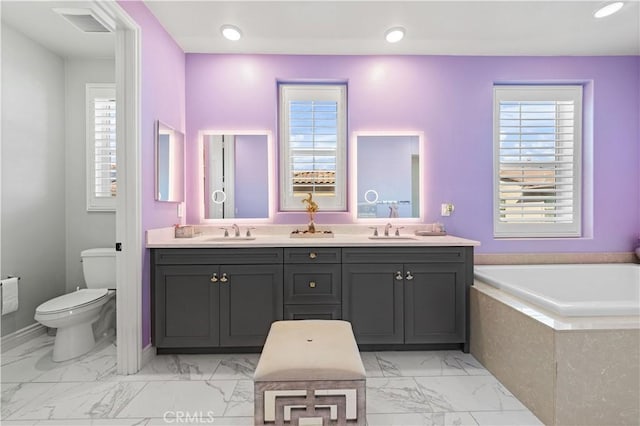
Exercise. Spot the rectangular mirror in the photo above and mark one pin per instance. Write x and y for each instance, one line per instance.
(169, 149)
(386, 175)
(236, 171)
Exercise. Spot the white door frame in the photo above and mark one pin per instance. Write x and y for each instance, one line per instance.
(129, 209)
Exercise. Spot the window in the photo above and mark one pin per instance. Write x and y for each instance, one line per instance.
(101, 147)
(313, 140)
(537, 161)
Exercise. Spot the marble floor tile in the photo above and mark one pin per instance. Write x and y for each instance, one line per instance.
(82, 422)
(423, 363)
(469, 363)
(177, 367)
(506, 418)
(239, 367)
(371, 364)
(171, 398)
(467, 393)
(34, 347)
(241, 402)
(74, 400)
(97, 365)
(396, 395)
(421, 419)
(403, 388)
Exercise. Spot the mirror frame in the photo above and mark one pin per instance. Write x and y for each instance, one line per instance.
(270, 171)
(181, 196)
(353, 176)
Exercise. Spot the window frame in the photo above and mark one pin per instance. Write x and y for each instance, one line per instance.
(524, 93)
(94, 202)
(320, 92)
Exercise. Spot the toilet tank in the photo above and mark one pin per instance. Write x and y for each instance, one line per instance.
(99, 267)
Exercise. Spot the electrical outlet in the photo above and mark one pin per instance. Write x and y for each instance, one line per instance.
(446, 209)
(180, 211)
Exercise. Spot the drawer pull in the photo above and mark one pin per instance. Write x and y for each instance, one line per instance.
(398, 276)
(313, 255)
(224, 278)
(312, 284)
(409, 277)
(214, 278)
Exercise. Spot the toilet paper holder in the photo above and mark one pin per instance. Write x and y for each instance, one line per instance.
(9, 276)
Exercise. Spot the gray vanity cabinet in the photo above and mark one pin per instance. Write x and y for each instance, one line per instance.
(312, 283)
(215, 297)
(407, 295)
(186, 312)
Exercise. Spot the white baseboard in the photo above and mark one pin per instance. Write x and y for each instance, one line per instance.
(21, 336)
(148, 353)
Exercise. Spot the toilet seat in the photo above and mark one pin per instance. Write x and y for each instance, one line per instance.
(74, 300)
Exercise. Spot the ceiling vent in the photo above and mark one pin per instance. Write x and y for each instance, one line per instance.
(87, 20)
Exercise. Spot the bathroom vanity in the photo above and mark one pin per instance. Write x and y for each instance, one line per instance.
(212, 296)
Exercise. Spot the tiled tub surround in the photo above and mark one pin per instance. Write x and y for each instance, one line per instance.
(568, 371)
(403, 388)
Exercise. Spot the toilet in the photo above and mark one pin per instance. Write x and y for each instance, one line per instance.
(86, 314)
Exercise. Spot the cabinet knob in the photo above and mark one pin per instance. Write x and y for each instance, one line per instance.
(312, 284)
(223, 278)
(214, 278)
(398, 275)
(313, 255)
(409, 277)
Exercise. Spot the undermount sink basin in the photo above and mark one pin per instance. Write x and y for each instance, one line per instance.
(230, 239)
(391, 237)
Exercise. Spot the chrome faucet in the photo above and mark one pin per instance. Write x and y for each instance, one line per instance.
(236, 230)
(386, 229)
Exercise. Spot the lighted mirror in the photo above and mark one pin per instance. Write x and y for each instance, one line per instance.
(236, 175)
(169, 149)
(386, 175)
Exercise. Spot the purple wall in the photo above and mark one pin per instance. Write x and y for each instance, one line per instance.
(450, 99)
(163, 98)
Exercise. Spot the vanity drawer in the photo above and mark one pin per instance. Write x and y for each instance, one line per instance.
(322, 312)
(307, 284)
(207, 256)
(312, 255)
(404, 255)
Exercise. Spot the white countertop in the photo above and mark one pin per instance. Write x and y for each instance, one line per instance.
(279, 236)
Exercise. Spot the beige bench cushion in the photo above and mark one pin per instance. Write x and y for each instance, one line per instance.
(304, 350)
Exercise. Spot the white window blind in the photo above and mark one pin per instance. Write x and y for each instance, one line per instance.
(313, 145)
(537, 161)
(101, 147)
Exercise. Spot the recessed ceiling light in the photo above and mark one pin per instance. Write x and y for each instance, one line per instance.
(231, 32)
(608, 9)
(394, 35)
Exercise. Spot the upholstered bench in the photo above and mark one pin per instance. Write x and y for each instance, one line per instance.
(310, 373)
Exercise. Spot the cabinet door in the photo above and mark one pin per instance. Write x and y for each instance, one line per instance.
(372, 302)
(434, 303)
(250, 300)
(186, 306)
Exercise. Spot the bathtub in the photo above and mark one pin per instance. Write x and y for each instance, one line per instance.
(570, 290)
(564, 339)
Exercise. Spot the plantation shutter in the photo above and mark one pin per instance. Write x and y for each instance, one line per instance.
(537, 147)
(313, 145)
(101, 147)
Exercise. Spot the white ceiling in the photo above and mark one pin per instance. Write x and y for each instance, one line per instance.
(38, 21)
(511, 27)
(534, 27)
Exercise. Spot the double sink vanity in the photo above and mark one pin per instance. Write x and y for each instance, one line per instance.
(216, 293)
(213, 293)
